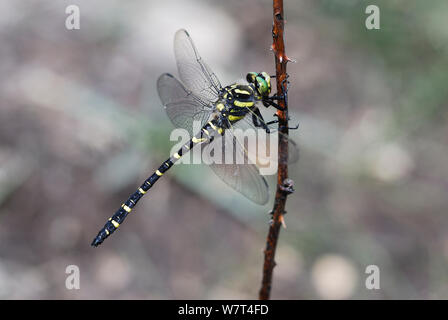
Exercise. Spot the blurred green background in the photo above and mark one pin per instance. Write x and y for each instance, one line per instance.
(81, 126)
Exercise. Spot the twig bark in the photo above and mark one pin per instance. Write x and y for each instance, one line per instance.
(284, 185)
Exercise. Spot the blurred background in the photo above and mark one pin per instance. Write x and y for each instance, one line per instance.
(81, 126)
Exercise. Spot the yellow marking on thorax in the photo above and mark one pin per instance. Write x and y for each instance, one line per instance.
(141, 191)
(243, 104)
(159, 173)
(220, 106)
(126, 208)
(242, 91)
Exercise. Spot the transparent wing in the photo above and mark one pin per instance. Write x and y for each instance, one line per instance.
(267, 144)
(182, 106)
(242, 150)
(228, 159)
(193, 71)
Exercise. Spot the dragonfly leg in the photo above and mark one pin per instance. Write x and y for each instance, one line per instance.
(268, 102)
(284, 96)
(277, 97)
(290, 128)
(272, 122)
(285, 88)
(258, 120)
(295, 127)
(276, 121)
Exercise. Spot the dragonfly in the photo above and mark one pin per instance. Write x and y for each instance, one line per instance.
(199, 96)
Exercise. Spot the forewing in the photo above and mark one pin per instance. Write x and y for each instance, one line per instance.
(182, 106)
(193, 71)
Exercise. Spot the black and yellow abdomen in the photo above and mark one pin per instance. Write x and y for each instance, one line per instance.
(206, 135)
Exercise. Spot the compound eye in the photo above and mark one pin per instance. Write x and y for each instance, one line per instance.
(262, 86)
(251, 77)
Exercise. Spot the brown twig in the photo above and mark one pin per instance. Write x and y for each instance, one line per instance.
(284, 185)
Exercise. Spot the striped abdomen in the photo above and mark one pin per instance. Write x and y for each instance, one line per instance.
(206, 135)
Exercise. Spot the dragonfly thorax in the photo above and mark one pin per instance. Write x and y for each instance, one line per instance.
(237, 100)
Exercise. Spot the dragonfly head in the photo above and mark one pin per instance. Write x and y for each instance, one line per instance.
(262, 82)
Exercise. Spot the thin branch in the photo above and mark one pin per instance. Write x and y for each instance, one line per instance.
(284, 185)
